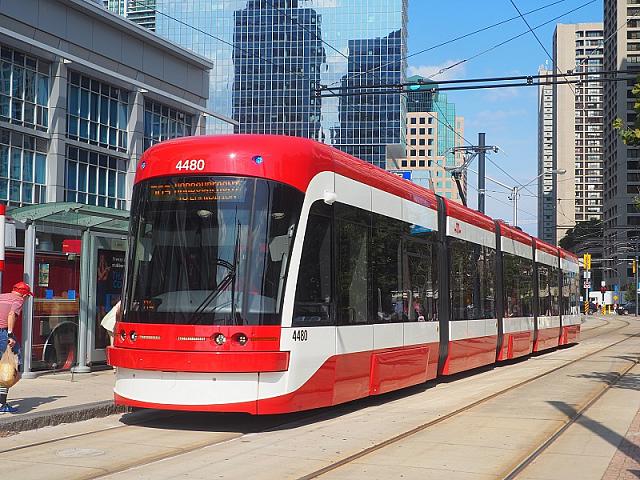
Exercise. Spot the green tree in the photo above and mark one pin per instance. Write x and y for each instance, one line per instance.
(630, 293)
(583, 231)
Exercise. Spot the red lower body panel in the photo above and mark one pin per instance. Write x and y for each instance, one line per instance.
(547, 338)
(470, 353)
(340, 379)
(570, 334)
(516, 344)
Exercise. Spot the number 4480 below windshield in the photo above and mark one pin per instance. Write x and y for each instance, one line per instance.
(210, 250)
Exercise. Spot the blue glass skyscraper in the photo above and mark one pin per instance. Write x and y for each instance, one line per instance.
(270, 56)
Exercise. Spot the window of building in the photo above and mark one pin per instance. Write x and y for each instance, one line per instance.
(95, 178)
(24, 89)
(23, 168)
(412, 120)
(422, 120)
(422, 131)
(97, 112)
(421, 163)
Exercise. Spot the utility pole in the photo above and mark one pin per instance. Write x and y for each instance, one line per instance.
(514, 194)
(481, 172)
(471, 152)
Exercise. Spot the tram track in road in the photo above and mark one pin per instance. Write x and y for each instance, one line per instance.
(236, 427)
(246, 425)
(531, 457)
(424, 426)
(154, 416)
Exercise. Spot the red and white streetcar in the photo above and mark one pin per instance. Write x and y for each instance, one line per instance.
(271, 274)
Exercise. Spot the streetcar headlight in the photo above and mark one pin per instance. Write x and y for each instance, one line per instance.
(219, 338)
(123, 335)
(242, 339)
(133, 335)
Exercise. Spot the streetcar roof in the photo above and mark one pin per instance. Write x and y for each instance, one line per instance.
(290, 160)
(515, 234)
(546, 247)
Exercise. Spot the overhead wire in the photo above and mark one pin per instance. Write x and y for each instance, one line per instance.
(504, 42)
(533, 215)
(555, 67)
(455, 39)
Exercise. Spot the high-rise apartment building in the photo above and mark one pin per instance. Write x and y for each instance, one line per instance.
(271, 56)
(433, 130)
(622, 162)
(578, 126)
(546, 194)
(142, 12)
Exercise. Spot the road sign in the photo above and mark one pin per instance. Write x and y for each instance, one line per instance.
(587, 284)
(406, 174)
(615, 298)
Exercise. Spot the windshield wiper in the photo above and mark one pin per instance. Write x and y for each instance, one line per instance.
(229, 279)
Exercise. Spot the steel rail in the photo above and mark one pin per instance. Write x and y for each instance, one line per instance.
(426, 425)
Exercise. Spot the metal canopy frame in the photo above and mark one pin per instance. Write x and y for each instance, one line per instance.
(74, 215)
(70, 215)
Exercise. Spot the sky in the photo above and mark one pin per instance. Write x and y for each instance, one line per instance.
(508, 116)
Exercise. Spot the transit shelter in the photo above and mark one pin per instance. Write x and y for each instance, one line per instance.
(73, 258)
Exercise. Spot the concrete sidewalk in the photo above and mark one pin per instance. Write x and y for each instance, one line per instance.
(55, 398)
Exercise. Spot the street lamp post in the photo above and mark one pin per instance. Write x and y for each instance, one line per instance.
(514, 191)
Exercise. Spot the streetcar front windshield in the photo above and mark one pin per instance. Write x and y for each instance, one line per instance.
(210, 250)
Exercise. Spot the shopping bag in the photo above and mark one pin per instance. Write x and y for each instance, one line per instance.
(9, 374)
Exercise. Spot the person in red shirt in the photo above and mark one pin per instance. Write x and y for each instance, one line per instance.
(10, 309)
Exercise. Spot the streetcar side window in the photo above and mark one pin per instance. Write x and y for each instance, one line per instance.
(518, 286)
(472, 279)
(555, 291)
(313, 290)
(548, 290)
(421, 281)
(389, 302)
(352, 255)
(569, 294)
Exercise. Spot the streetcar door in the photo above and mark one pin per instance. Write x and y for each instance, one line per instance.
(354, 336)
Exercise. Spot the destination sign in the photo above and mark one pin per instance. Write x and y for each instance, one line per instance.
(205, 190)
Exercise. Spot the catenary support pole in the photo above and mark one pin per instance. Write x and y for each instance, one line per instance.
(515, 206)
(481, 171)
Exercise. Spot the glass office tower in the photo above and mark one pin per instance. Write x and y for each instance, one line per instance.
(270, 56)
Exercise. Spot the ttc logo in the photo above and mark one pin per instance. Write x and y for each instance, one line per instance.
(457, 228)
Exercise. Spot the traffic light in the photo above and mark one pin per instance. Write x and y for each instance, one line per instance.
(586, 260)
(633, 266)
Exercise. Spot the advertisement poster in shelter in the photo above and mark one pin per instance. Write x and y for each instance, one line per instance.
(110, 275)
